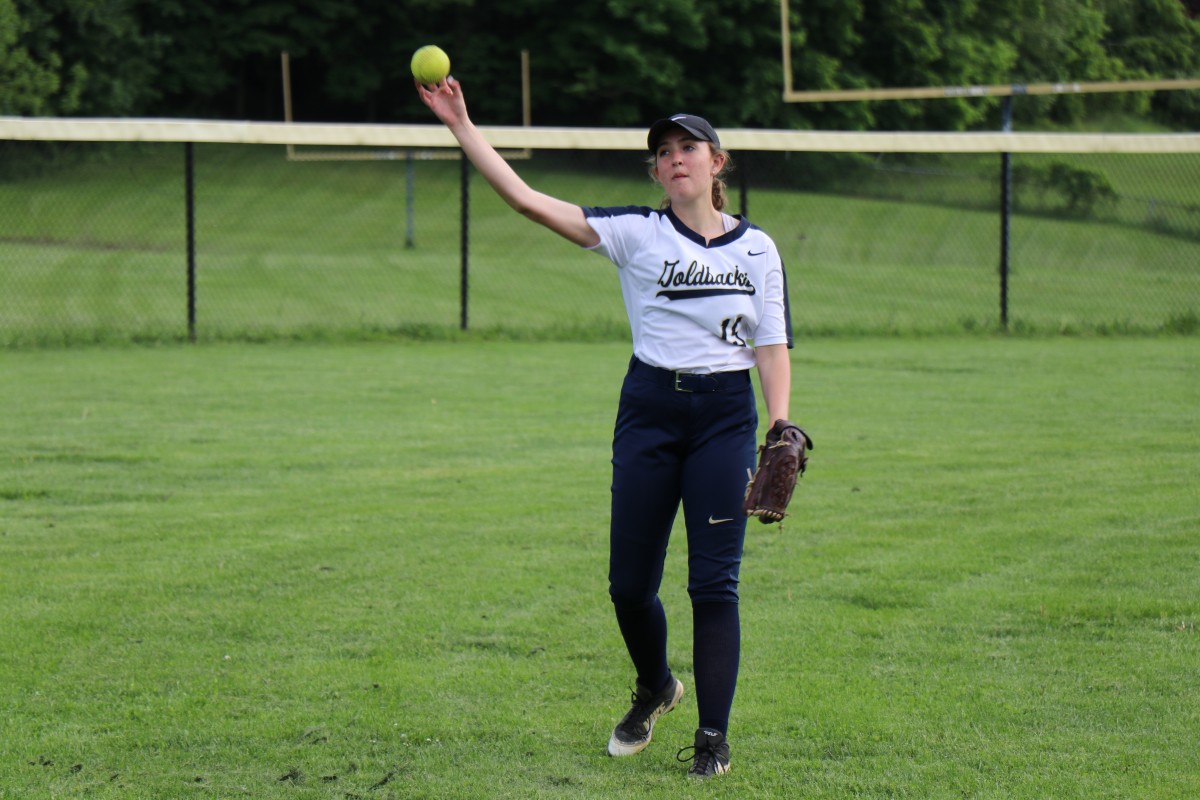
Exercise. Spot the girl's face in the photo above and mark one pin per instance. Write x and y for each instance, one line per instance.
(685, 167)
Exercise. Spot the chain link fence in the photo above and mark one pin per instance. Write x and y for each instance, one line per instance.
(103, 241)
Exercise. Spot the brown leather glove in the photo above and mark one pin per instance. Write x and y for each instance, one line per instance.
(781, 462)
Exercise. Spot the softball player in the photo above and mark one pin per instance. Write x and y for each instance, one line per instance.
(706, 297)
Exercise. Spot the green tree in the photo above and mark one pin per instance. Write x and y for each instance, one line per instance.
(33, 83)
(222, 57)
(1157, 38)
(104, 63)
(929, 43)
(1060, 40)
(609, 63)
(898, 43)
(612, 62)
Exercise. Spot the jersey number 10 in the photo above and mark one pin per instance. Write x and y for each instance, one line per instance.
(730, 332)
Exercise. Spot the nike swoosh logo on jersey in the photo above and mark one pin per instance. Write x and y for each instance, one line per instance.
(752, 253)
(712, 521)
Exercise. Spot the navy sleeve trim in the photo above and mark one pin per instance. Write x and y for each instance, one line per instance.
(616, 211)
(787, 310)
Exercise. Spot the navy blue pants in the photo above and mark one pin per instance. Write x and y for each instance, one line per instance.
(686, 439)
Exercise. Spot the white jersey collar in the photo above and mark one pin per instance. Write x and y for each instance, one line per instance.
(742, 226)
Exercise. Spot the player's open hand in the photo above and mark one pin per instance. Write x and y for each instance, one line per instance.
(446, 100)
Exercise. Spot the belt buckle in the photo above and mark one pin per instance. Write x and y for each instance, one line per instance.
(679, 388)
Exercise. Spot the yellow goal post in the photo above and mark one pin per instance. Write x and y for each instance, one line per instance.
(791, 95)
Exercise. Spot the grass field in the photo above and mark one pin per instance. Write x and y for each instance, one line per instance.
(376, 570)
(96, 252)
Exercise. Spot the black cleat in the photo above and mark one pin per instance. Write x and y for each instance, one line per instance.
(633, 732)
(710, 754)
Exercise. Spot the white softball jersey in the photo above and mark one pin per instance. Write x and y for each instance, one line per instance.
(695, 306)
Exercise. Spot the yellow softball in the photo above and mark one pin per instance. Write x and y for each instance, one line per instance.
(430, 64)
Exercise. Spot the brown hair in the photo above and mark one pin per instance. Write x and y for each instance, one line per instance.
(719, 195)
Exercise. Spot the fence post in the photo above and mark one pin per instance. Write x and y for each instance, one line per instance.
(464, 191)
(409, 180)
(190, 205)
(1005, 214)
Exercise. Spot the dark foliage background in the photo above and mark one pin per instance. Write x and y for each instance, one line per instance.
(609, 63)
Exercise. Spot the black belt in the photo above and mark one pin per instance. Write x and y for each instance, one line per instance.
(690, 381)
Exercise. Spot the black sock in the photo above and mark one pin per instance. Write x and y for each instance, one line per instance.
(716, 648)
(644, 629)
